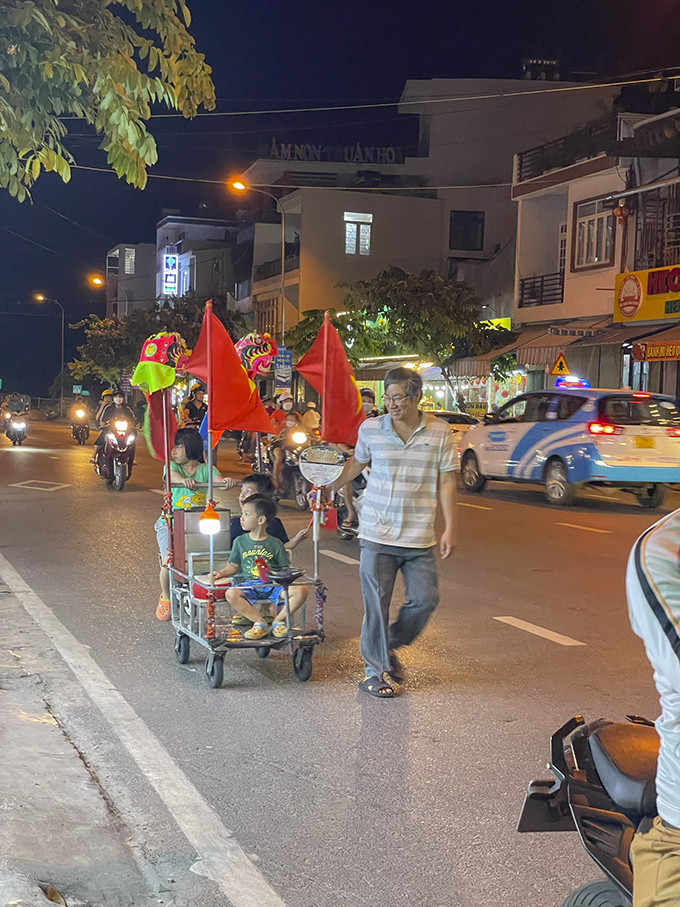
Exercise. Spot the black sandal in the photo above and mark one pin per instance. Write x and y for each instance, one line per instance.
(347, 525)
(377, 687)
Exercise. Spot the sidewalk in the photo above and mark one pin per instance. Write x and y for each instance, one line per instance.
(56, 827)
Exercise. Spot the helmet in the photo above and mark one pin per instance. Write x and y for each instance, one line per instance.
(367, 392)
(107, 393)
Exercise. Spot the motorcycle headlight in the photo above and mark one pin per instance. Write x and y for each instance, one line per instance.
(7, 415)
(121, 425)
(19, 425)
(80, 413)
(299, 437)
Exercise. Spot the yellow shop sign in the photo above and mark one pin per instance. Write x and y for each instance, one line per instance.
(652, 295)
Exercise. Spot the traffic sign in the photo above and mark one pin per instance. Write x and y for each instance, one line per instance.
(77, 388)
(560, 367)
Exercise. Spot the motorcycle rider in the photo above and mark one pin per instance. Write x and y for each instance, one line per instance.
(195, 408)
(104, 400)
(653, 593)
(115, 411)
(283, 443)
(278, 417)
(79, 404)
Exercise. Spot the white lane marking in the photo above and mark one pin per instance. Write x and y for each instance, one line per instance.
(540, 631)
(220, 857)
(38, 485)
(54, 458)
(474, 506)
(585, 528)
(157, 490)
(338, 557)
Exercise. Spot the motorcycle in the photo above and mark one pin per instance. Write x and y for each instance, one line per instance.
(16, 428)
(80, 430)
(604, 789)
(293, 484)
(358, 495)
(115, 459)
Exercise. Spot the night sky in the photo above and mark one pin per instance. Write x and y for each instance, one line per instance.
(268, 54)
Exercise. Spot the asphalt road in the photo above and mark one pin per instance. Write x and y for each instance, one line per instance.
(340, 799)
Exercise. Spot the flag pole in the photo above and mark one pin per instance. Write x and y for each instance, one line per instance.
(211, 402)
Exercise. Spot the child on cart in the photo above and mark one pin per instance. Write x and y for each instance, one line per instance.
(258, 512)
(261, 483)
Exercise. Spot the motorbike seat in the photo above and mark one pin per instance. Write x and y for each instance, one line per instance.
(625, 757)
(285, 577)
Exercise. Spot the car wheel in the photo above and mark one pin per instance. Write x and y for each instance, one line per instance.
(472, 479)
(558, 490)
(596, 894)
(653, 497)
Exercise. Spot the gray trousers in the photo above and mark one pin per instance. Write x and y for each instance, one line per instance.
(378, 571)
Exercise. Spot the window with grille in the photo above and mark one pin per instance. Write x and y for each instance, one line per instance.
(130, 255)
(562, 250)
(357, 233)
(466, 231)
(593, 235)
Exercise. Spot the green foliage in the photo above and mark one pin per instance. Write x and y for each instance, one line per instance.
(113, 345)
(80, 59)
(361, 339)
(396, 313)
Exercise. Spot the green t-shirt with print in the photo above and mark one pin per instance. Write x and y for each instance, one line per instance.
(244, 552)
(184, 498)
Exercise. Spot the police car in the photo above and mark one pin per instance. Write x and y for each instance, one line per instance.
(566, 439)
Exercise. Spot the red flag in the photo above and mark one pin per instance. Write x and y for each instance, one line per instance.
(154, 427)
(327, 368)
(233, 400)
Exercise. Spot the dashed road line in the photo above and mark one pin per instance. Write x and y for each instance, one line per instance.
(338, 557)
(539, 631)
(474, 506)
(585, 528)
(156, 490)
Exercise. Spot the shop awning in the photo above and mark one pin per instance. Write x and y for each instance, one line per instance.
(663, 347)
(614, 336)
(480, 366)
(544, 350)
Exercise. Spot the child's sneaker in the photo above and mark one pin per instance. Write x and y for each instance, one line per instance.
(280, 630)
(163, 608)
(238, 620)
(257, 631)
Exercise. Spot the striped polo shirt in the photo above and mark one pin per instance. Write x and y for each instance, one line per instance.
(401, 495)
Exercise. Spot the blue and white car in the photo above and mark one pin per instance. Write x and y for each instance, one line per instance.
(566, 439)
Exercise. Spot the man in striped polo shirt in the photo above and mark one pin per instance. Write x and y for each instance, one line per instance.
(412, 459)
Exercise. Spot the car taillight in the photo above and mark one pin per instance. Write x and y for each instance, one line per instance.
(673, 432)
(603, 428)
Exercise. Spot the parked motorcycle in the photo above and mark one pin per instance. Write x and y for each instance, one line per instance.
(604, 788)
(16, 427)
(358, 495)
(293, 484)
(81, 426)
(114, 460)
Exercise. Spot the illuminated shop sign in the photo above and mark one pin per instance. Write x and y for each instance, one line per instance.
(169, 275)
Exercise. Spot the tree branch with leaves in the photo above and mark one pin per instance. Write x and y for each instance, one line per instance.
(84, 59)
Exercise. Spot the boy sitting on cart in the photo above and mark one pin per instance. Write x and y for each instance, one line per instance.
(256, 544)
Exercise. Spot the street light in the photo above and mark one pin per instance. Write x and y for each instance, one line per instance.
(238, 185)
(40, 298)
(96, 280)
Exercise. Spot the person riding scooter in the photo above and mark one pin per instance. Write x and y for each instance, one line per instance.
(114, 412)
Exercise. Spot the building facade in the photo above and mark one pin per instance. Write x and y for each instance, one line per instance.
(130, 278)
(193, 257)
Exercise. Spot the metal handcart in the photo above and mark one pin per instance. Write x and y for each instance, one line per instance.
(199, 611)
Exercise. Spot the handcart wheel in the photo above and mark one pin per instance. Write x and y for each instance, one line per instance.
(263, 651)
(182, 648)
(214, 670)
(302, 663)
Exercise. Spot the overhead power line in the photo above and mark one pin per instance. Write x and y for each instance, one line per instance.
(411, 103)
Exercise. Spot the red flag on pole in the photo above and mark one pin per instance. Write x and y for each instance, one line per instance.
(233, 401)
(327, 368)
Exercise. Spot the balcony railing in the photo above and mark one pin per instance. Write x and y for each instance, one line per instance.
(272, 268)
(594, 139)
(548, 289)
